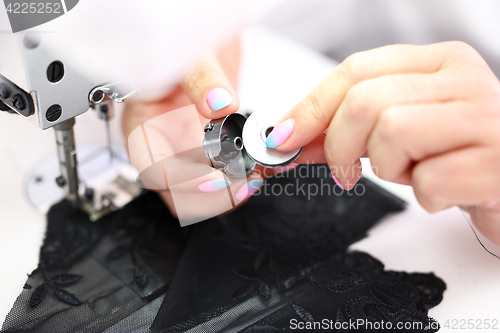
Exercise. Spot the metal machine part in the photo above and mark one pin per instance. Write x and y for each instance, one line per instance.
(104, 185)
(15, 98)
(117, 92)
(257, 127)
(223, 146)
(66, 153)
(43, 85)
(40, 84)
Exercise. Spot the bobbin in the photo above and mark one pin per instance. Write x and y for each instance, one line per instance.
(257, 127)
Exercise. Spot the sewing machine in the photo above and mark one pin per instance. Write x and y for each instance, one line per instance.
(38, 84)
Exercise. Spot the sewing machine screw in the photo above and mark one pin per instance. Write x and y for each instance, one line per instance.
(98, 96)
(32, 40)
(53, 113)
(18, 102)
(55, 72)
(60, 181)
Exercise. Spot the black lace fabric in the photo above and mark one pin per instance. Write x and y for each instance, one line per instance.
(275, 261)
(92, 275)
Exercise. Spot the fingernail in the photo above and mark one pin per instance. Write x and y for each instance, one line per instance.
(214, 185)
(247, 190)
(287, 168)
(336, 181)
(280, 133)
(219, 98)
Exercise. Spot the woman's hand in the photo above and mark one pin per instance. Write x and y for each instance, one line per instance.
(426, 116)
(199, 191)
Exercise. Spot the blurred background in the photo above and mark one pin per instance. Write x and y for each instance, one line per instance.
(338, 28)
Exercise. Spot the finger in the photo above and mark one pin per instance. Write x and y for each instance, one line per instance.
(409, 133)
(467, 177)
(360, 110)
(209, 89)
(213, 203)
(266, 173)
(314, 152)
(347, 175)
(193, 177)
(183, 176)
(245, 191)
(148, 127)
(229, 56)
(139, 150)
(311, 116)
(486, 220)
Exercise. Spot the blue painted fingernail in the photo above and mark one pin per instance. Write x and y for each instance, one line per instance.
(219, 98)
(249, 189)
(280, 133)
(214, 185)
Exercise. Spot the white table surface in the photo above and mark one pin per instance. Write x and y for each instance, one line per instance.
(275, 73)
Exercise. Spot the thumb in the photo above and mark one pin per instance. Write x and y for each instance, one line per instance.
(209, 89)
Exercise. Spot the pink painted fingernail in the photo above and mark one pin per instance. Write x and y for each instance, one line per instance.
(219, 98)
(280, 133)
(249, 189)
(214, 185)
(287, 168)
(336, 181)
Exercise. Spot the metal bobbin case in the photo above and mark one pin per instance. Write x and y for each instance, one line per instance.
(223, 146)
(235, 144)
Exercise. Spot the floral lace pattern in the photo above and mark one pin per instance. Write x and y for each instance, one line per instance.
(274, 261)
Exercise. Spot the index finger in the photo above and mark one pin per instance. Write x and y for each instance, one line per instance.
(308, 119)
